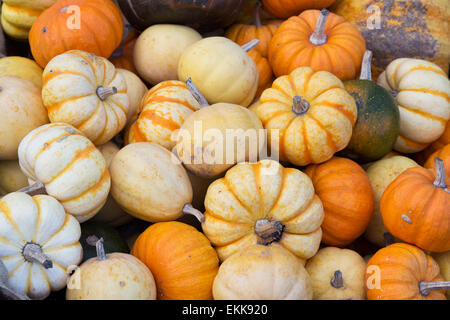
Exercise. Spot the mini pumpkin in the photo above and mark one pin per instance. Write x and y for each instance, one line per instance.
(39, 243)
(180, 258)
(443, 260)
(95, 26)
(11, 177)
(122, 57)
(136, 90)
(308, 114)
(113, 276)
(262, 273)
(320, 40)
(286, 9)
(337, 274)
(66, 164)
(416, 207)
(21, 67)
(87, 92)
(404, 272)
(263, 203)
(444, 154)
(266, 77)
(347, 198)
(422, 92)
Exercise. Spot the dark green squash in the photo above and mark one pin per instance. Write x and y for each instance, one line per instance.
(112, 240)
(377, 126)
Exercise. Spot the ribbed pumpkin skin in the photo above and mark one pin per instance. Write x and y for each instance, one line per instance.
(69, 92)
(315, 136)
(286, 8)
(423, 99)
(401, 267)
(265, 72)
(263, 190)
(163, 111)
(100, 32)
(347, 198)
(444, 155)
(377, 126)
(341, 55)
(414, 195)
(68, 164)
(180, 258)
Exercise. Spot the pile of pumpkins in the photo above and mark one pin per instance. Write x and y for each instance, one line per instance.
(106, 194)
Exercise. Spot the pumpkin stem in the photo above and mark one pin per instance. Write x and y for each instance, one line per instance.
(103, 93)
(366, 67)
(250, 45)
(33, 253)
(5, 290)
(300, 106)
(35, 189)
(196, 93)
(440, 174)
(256, 16)
(318, 37)
(337, 281)
(189, 209)
(426, 287)
(268, 231)
(100, 249)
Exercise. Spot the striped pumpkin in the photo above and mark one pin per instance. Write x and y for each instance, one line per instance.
(38, 222)
(163, 111)
(86, 92)
(70, 167)
(422, 91)
(313, 113)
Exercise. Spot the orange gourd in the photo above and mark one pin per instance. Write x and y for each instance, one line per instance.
(97, 28)
(347, 198)
(404, 272)
(320, 40)
(416, 208)
(181, 259)
(287, 8)
(266, 78)
(122, 57)
(444, 154)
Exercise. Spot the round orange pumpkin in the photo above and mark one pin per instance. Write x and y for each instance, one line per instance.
(288, 8)
(444, 154)
(181, 259)
(320, 40)
(403, 272)
(422, 156)
(347, 197)
(95, 26)
(416, 208)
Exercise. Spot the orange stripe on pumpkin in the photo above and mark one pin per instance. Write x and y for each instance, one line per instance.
(160, 121)
(350, 116)
(97, 186)
(163, 99)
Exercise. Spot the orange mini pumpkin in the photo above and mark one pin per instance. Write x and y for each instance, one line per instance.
(416, 208)
(95, 26)
(444, 154)
(320, 40)
(181, 259)
(288, 8)
(347, 197)
(266, 78)
(404, 272)
(122, 57)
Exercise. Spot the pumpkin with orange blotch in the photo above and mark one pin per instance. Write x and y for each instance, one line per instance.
(181, 260)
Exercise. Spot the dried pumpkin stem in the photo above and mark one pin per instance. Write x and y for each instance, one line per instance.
(250, 45)
(33, 253)
(440, 174)
(337, 281)
(256, 16)
(318, 37)
(101, 255)
(268, 231)
(103, 93)
(35, 189)
(426, 287)
(300, 106)
(366, 67)
(196, 93)
(189, 209)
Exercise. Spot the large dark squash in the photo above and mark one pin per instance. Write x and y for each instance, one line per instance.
(203, 15)
(377, 126)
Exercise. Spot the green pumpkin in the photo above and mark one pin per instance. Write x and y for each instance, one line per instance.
(377, 126)
(112, 241)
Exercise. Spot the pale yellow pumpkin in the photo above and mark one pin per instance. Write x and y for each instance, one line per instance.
(337, 274)
(422, 92)
(221, 69)
(136, 90)
(381, 173)
(309, 116)
(262, 273)
(22, 111)
(443, 260)
(149, 183)
(69, 166)
(11, 177)
(263, 203)
(86, 92)
(158, 50)
(21, 67)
